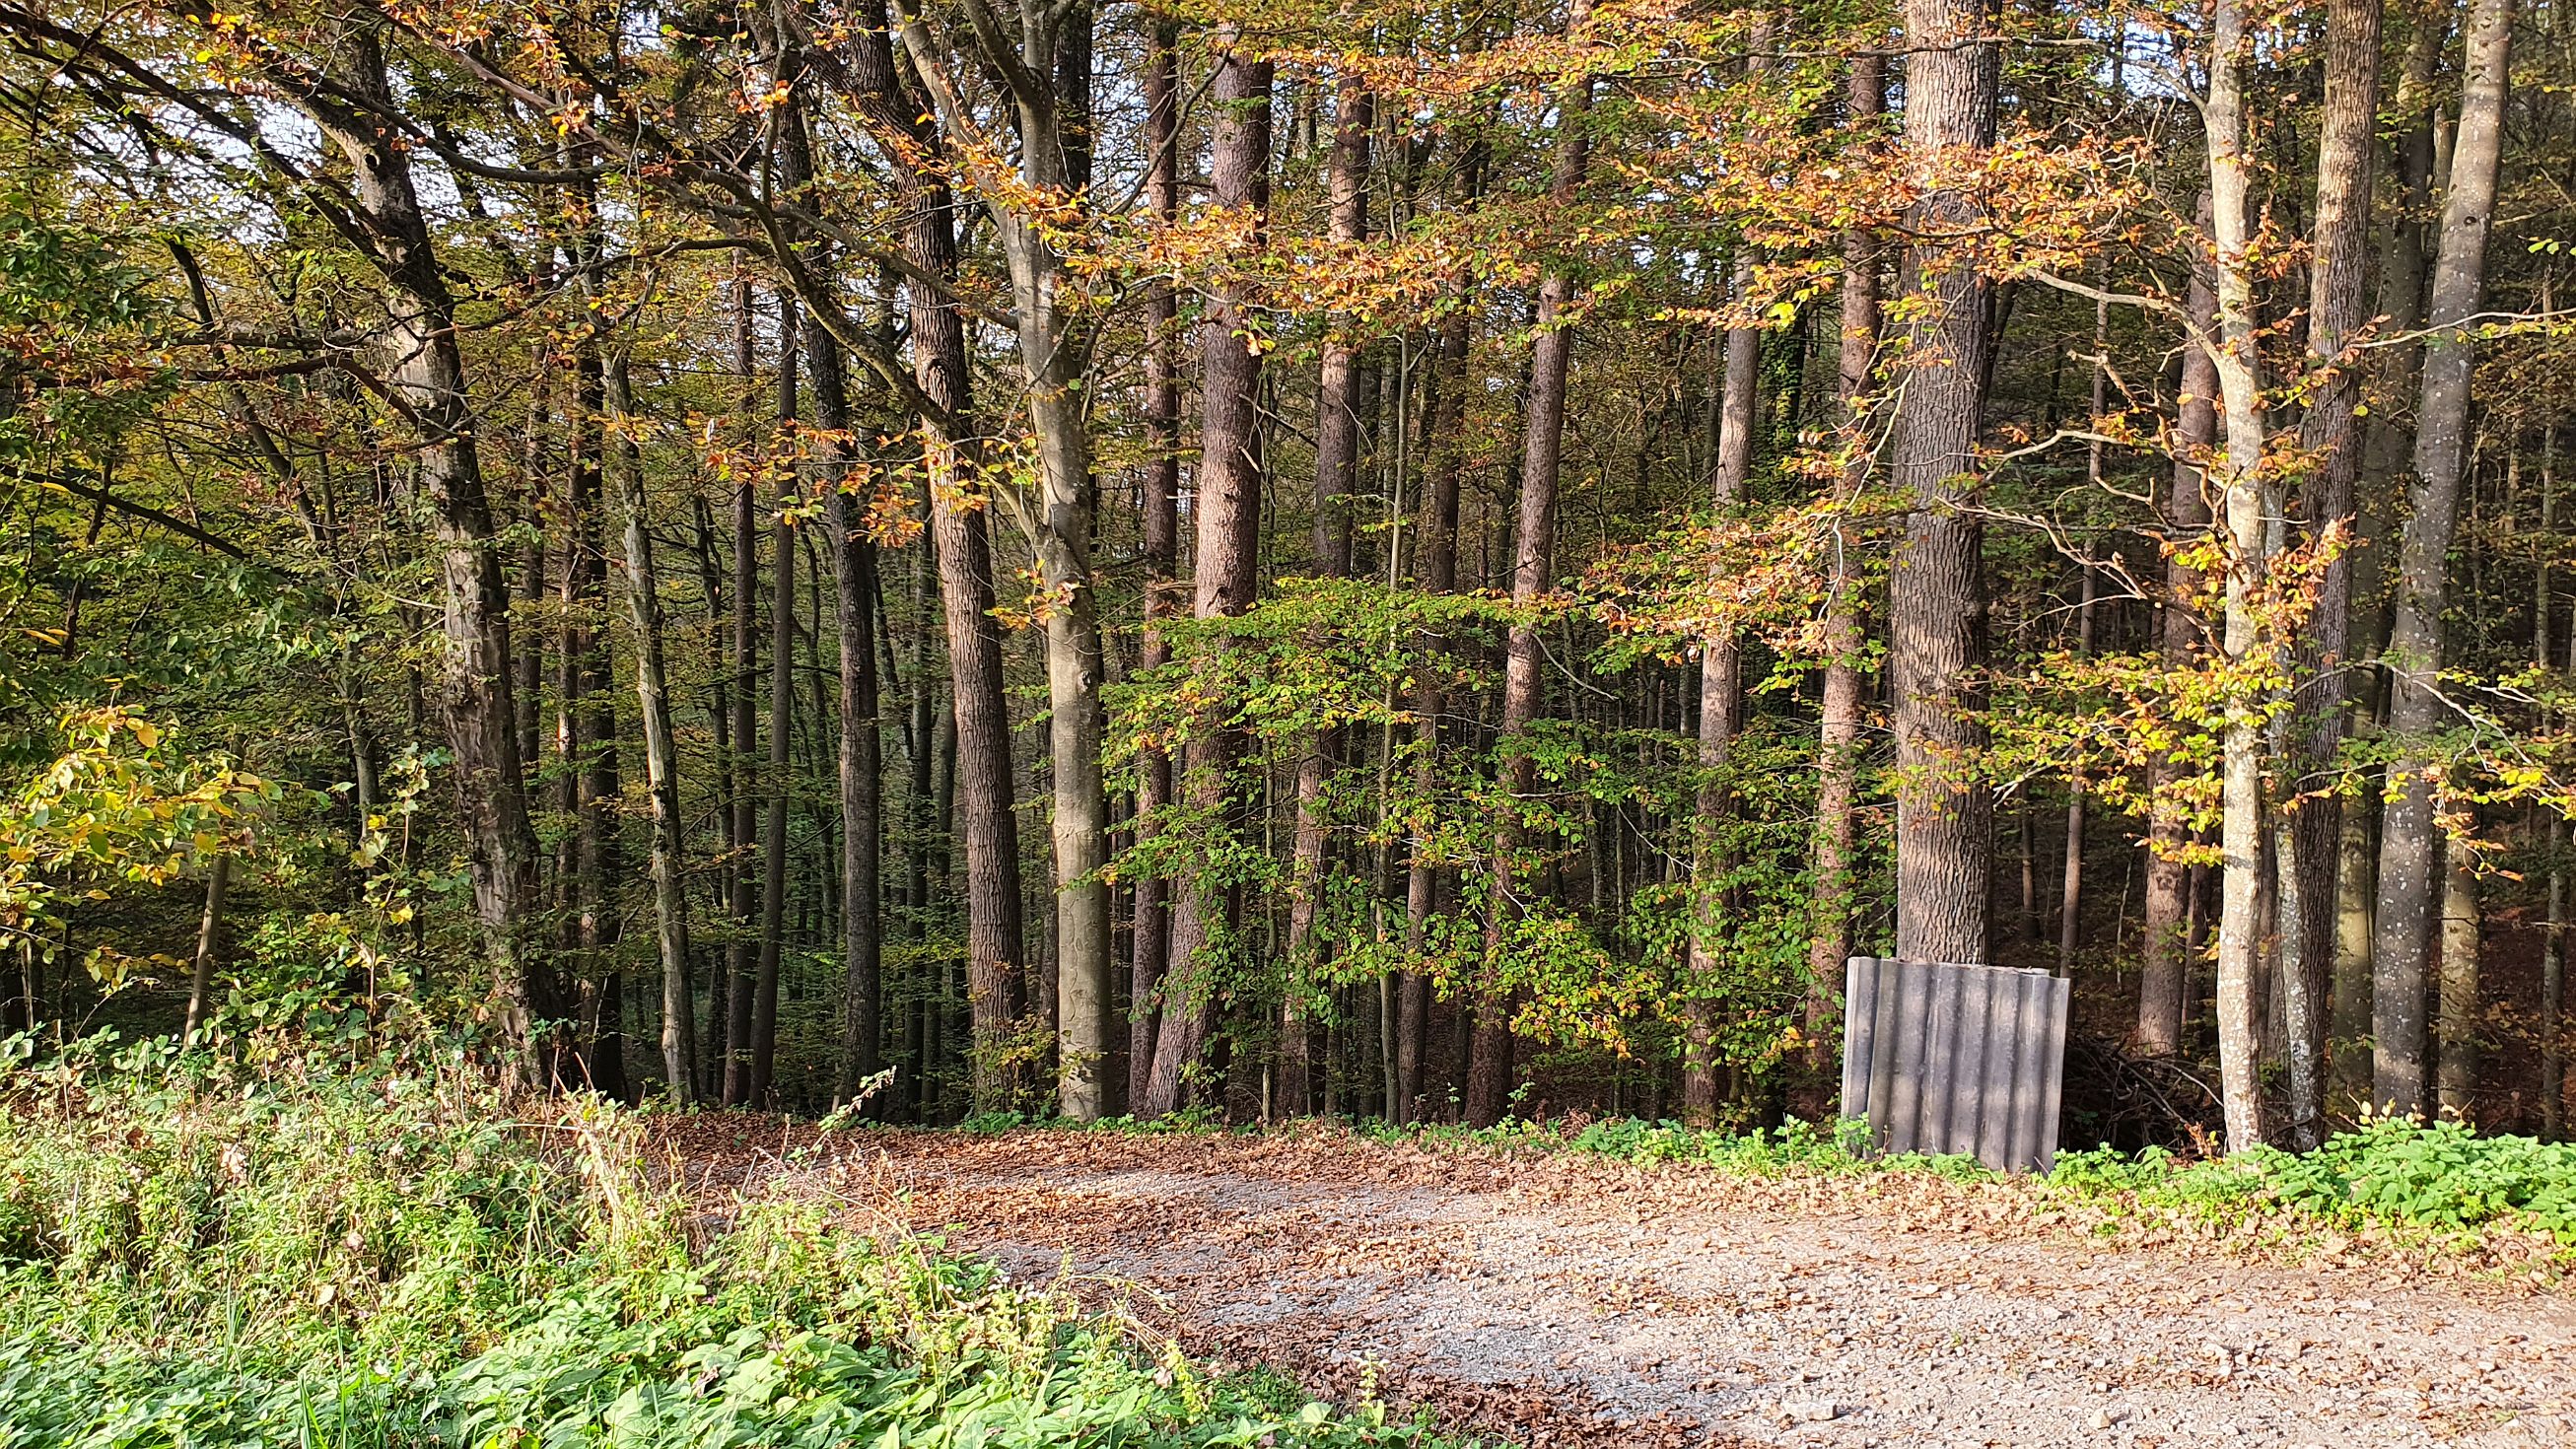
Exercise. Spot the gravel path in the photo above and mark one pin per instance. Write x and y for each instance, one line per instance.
(1556, 1301)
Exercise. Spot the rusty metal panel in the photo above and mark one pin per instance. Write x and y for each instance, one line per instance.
(1966, 1060)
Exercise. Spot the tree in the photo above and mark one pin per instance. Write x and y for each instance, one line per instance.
(1937, 597)
(2409, 833)
(2246, 510)
(382, 217)
(653, 712)
(2337, 318)
(1489, 1065)
(2164, 983)
(1229, 519)
(1159, 530)
(1337, 454)
(1838, 729)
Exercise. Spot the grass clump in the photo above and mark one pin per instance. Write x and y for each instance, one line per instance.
(412, 1261)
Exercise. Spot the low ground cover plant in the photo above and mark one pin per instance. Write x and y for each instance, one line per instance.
(407, 1259)
(2437, 1183)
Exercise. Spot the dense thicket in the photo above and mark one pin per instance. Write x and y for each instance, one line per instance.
(1415, 560)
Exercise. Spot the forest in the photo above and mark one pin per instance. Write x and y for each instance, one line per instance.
(1204, 565)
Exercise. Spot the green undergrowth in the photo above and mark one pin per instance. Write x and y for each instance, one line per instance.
(191, 1259)
(1797, 1147)
(2437, 1186)
(2433, 1185)
(2437, 1182)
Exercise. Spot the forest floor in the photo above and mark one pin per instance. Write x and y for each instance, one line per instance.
(1552, 1300)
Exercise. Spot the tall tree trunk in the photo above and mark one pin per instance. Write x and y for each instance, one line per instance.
(2164, 986)
(858, 750)
(588, 722)
(782, 732)
(661, 764)
(2246, 513)
(2339, 247)
(1054, 130)
(2553, 950)
(714, 1060)
(2356, 865)
(854, 596)
(2391, 382)
(2408, 853)
(1937, 598)
(1337, 451)
(1489, 1063)
(586, 725)
(1229, 521)
(528, 658)
(427, 367)
(1721, 707)
(986, 825)
(1150, 948)
(742, 952)
(1435, 571)
(1838, 739)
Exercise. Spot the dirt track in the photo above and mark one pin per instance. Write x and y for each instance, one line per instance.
(1559, 1302)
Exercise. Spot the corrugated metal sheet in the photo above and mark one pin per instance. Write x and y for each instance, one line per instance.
(1956, 1059)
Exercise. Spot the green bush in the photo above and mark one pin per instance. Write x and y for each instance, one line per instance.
(409, 1261)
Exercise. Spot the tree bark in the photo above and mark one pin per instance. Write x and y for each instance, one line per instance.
(1229, 516)
(586, 729)
(1054, 127)
(1435, 571)
(854, 594)
(2408, 850)
(2393, 377)
(742, 952)
(2553, 1005)
(2339, 246)
(1489, 1062)
(2354, 903)
(782, 735)
(2165, 980)
(1337, 436)
(2246, 510)
(1937, 598)
(1838, 737)
(1150, 949)
(475, 695)
(986, 825)
(661, 765)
